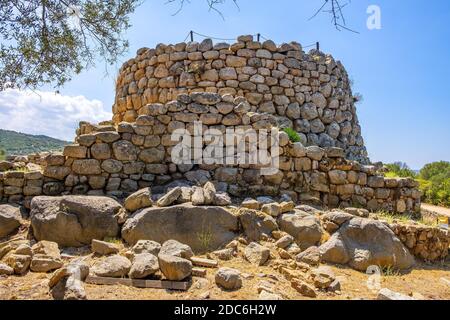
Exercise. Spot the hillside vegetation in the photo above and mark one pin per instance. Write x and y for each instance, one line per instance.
(17, 143)
(434, 179)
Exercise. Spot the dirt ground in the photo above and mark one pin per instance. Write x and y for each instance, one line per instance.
(424, 281)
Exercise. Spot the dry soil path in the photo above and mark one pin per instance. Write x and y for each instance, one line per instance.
(435, 209)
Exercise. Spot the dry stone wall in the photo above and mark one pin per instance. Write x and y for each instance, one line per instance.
(427, 243)
(309, 92)
(119, 159)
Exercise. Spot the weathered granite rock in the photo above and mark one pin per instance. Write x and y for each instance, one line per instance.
(6, 270)
(269, 296)
(43, 263)
(224, 254)
(144, 265)
(9, 219)
(323, 277)
(69, 288)
(209, 192)
(169, 198)
(272, 209)
(304, 227)
(284, 241)
(175, 248)
(222, 199)
(74, 220)
(228, 278)
(24, 249)
(198, 196)
(256, 254)
(146, 246)
(386, 294)
(113, 266)
(174, 268)
(250, 204)
(362, 242)
(202, 228)
(67, 283)
(18, 262)
(310, 256)
(139, 200)
(104, 248)
(303, 288)
(256, 224)
(45, 257)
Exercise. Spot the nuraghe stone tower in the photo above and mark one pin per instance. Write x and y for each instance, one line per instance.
(247, 84)
(309, 92)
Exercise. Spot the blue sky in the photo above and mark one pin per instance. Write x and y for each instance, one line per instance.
(401, 70)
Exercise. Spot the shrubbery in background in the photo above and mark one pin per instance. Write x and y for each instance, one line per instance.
(399, 169)
(2, 154)
(434, 179)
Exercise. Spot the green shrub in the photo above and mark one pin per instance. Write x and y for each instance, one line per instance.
(399, 170)
(438, 171)
(434, 180)
(293, 135)
(2, 154)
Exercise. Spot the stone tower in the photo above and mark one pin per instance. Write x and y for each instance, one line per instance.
(309, 92)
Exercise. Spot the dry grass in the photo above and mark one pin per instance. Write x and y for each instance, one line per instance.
(405, 218)
(113, 240)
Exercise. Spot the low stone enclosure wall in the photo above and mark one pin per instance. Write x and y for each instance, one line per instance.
(427, 243)
(118, 160)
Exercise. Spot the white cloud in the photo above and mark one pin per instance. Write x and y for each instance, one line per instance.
(48, 113)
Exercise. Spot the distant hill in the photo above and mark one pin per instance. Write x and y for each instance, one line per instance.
(22, 144)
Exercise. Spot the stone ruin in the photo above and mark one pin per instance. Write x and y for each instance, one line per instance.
(309, 92)
(243, 85)
(163, 213)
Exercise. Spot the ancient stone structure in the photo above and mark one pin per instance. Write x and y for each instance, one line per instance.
(246, 85)
(309, 92)
(120, 179)
(428, 243)
(120, 160)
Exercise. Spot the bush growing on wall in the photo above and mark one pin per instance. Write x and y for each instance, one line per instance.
(293, 135)
(400, 169)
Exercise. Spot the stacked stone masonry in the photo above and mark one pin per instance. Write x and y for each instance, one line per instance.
(118, 160)
(245, 85)
(427, 243)
(309, 92)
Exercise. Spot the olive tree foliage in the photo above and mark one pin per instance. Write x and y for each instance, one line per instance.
(48, 41)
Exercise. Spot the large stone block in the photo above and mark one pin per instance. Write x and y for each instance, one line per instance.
(9, 219)
(86, 166)
(202, 228)
(364, 242)
(74, 220)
